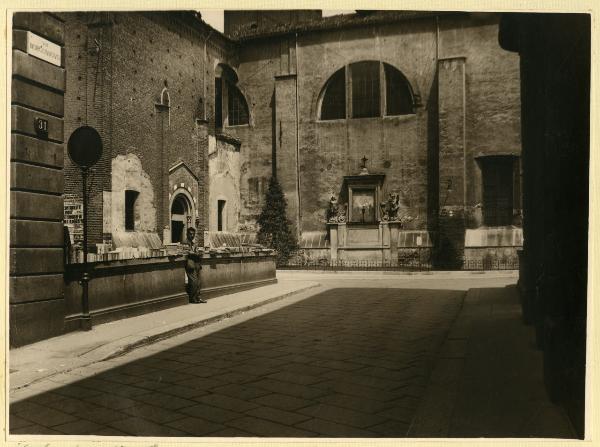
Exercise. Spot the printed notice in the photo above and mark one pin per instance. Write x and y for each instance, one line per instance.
(44, 49)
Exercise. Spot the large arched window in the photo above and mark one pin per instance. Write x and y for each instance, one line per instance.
(334, 99)
(398, 94)
(366, 89)
(231, 108)
(237, 107)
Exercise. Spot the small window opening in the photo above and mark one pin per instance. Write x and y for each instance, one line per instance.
(165, 98)
(130, 199)
(220, 215)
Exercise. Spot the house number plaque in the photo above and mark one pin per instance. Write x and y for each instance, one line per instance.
(41, 127)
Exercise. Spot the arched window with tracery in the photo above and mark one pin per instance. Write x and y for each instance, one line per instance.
(237, 107)
(366, 101)
(366, 89)
(231, 107)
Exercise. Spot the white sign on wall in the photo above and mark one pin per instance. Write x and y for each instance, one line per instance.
(44, 49)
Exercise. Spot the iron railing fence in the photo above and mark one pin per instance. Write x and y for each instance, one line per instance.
(419, 259)
(491, 264)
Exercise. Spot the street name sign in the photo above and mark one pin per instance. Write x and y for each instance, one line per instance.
(43, 49)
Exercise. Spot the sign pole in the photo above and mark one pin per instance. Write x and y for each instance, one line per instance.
(85, 149)
(86, 320)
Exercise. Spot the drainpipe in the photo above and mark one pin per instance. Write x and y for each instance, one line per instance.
(299, 213)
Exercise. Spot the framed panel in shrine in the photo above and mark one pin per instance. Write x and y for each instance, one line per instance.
(363, 204)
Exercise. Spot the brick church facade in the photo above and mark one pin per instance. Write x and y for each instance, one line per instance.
(353, 113)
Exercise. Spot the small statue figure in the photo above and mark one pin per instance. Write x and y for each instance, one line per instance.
(384, 211)
(332, 212)
(390, 208)
(393, 206)
(336, 212)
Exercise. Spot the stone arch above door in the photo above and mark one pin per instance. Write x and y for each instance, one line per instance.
(182, 181)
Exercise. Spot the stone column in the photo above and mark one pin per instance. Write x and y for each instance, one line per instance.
(452, 159)
(37, 307)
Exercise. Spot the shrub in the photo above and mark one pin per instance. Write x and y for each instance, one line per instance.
(274, 227)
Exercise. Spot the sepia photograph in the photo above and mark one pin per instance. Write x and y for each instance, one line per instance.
(260, 224)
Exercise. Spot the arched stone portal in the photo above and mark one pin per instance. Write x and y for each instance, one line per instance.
(182, 215)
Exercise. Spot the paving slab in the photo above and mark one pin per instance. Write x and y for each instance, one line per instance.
(488, 378)
(51, 357)
(422, 353)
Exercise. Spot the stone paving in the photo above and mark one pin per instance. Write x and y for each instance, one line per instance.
(488, 378)
(347, 362)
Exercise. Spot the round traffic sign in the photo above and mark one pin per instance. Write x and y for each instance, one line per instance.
(85, 146)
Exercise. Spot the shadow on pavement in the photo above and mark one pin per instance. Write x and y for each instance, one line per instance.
(347, 362)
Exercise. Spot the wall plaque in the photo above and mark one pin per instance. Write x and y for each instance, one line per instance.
(41, 127)
(43, 49)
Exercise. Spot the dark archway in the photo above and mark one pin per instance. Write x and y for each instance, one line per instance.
(181, 217)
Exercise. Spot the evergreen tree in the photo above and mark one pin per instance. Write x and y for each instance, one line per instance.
(274, 228)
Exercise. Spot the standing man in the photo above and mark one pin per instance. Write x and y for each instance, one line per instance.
(193, 267)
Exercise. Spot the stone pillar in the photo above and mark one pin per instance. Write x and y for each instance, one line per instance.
(394, 232)
(342, 234)
(384, 230)
(452, 159)
(286, 144)
(37, 307)
(333, 240)
(555, 128)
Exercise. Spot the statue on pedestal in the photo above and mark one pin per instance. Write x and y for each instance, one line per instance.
(336, 213)
(390, 208)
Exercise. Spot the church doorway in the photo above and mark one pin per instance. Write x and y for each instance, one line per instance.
(181, 217)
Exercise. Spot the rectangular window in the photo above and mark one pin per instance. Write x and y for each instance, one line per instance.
(130, 199)
(220, 215)
(365, 89)
(497, 173)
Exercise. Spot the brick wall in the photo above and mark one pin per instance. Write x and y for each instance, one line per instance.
(129, 59)
(123, 61)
